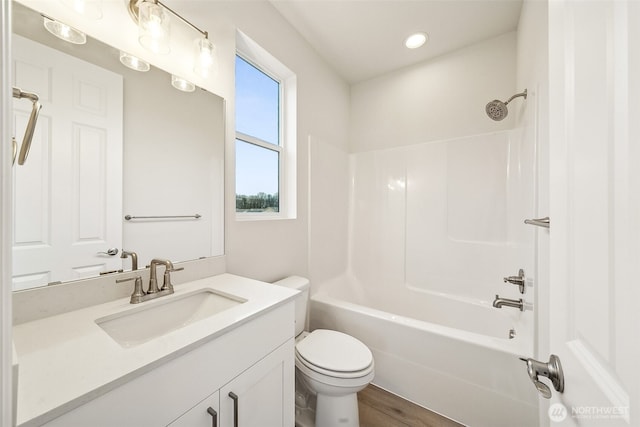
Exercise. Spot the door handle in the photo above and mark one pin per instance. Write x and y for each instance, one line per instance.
(110, 252)
(552, 370)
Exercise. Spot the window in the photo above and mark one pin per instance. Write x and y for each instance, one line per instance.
(258, 149)
(265, 134)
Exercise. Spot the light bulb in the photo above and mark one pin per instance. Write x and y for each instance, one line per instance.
(203, 56)
(88, 8)
(153, 27)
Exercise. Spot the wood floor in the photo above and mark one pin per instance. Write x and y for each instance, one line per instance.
(379, 408)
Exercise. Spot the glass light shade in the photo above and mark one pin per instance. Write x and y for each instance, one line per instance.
(182, 84)
(89, 8)
(204, 56)
(133, 62)
(416, 40)
(153, 27)
(64, 32)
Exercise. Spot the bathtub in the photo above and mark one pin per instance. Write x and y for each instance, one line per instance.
(450, 355)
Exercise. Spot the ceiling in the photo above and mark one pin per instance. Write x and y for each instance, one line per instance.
(362, 39)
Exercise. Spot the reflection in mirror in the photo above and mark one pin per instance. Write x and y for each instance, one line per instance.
(110, 142)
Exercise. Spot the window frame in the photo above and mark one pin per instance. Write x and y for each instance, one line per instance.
(259, 58)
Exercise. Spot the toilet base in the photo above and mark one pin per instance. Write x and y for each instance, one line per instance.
(305, 404)
(305, 417)
(337, 411)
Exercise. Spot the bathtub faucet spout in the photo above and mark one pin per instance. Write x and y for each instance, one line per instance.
(499, 302)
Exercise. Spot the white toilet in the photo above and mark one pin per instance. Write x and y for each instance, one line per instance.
(331, 365)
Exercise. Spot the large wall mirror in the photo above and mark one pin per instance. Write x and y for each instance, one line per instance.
(111, 143)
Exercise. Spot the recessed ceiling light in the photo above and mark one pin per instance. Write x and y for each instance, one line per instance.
(416, 40)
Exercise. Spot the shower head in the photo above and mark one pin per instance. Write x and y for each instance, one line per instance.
(497, 110)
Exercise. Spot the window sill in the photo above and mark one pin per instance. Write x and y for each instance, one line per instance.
(242, 217)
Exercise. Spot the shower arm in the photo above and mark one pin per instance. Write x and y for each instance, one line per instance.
(31, 124)
(516, 96)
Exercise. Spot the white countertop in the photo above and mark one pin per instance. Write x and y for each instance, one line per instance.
(67, 360)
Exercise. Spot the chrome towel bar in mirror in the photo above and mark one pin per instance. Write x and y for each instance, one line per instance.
(130, 217)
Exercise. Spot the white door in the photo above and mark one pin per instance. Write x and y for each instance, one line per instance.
(594, 91)
(68, 195)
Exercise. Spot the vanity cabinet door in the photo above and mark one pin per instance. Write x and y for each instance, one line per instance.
(204, 414)
(263, 395)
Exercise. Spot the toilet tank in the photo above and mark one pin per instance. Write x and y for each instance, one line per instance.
(302, 284)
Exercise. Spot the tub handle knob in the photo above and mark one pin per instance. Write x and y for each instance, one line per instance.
(517, 280)
(552, 370)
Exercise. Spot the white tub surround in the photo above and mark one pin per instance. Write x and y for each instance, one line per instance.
(444, 216)
(434, 228)
(67, 360)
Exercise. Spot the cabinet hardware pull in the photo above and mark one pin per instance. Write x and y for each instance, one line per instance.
(214, 415)
(235, 408)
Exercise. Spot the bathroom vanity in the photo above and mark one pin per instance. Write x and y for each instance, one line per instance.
(119, 364)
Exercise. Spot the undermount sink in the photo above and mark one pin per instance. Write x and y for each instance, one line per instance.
(141, 324)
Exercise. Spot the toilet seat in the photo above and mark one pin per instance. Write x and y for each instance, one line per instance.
(334, 354)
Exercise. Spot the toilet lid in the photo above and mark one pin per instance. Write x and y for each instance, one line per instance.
(334, 351)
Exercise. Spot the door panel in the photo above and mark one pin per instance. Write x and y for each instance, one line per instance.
(68, 195)
(592, 196)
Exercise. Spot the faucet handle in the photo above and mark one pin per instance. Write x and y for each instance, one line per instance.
(166, 284)
(517, 280)
(138, 293)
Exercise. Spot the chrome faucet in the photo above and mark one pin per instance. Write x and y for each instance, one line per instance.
(134, 258)
(139, 295)
(499, 302)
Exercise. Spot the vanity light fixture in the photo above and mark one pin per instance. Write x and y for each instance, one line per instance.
(182, 84)
(64, 31)
(153, 27)
(89, 8)
(204, 53)
(134, 62)
(416, 40)
(152, 18)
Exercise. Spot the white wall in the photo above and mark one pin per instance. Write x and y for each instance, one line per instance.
(173, 165)
(437, 99)
(328, 210)
(270, 250)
